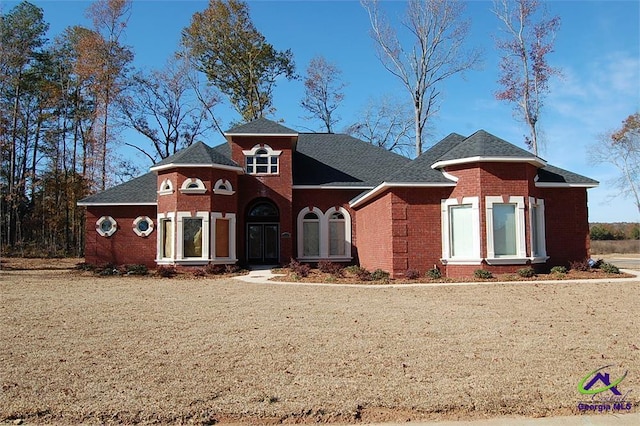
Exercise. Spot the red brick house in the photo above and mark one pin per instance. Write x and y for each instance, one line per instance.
(270, 194)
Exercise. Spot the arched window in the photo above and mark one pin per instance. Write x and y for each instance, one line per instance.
(322, 236)
(262, 160)
(263, 211)
(223, 186)
(193, 186)
(166, 187)
(337, 236)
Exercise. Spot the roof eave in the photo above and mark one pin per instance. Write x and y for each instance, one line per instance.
(386, 185)
(92, 204)
(262, 134)
(360, 187)
(565, 185)
(213, 166)
(536, 161)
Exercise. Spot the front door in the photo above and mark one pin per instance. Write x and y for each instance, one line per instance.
(263, 233)
(262, 244)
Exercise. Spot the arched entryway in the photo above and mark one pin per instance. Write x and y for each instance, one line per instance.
(263, 233)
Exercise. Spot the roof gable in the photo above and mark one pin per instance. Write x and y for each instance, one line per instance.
(483, 146)
(261, 126)
(197, 154)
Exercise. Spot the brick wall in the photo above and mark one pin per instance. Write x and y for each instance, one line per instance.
(375, 232)
(124, 246)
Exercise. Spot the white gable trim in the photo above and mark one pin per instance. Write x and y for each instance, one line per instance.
(536, 161)
(213, 166)
(565, 185)
(90, 204)
(386, 185)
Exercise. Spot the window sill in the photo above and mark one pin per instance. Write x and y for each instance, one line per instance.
(461, 261)
(539, 259)
(223, 261)
(508, 260)
(223, 192)
(165, 192)
(329, 258)
(193, 190)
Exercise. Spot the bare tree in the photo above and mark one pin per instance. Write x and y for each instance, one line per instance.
(165, 107)
(386, 122)
(524, 70)
(323, 91)
(437, 53)
(621, 149)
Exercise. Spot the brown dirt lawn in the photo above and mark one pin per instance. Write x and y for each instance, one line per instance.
(80, 349)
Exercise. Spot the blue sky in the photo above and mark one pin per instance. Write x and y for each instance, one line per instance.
(597, 48)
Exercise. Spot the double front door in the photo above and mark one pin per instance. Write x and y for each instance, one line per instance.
(262, 243)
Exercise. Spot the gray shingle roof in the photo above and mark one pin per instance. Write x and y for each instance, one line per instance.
(342, 160)
(552, 174)
(420, 170)
(261, 126)
(198, 153)
(140, 190)
(484, 144)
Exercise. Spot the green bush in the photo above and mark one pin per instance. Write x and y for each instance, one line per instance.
(482, 274)
(434, 274)
(137, 269)
(599, 232)
(352, 269)
(527, 272)
(609, 268)
(380, 275)
(558, 270)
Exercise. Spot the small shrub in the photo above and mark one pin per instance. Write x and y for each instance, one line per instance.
(330, 268)
(168, 271)
(137, 269)
(560, 270)
(434, 273)
(84, 266)
(352, 269)
(482, 274)
(213, 269)
(199, 273)
(108, 270)
(412, 274)
(299, 269)
(380, 275)
(364, 275)
(527, 272)
(231, 269)
(609, 268)
(580, 265)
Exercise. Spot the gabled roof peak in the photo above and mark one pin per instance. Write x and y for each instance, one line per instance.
(261, 126)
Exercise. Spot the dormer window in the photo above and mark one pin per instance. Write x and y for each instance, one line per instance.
(193, 186)
(262, 160)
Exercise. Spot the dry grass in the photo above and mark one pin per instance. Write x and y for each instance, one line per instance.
(80, 349)
(615, 246)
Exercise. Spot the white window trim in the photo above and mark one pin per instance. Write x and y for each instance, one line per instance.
(347, 233)
(179, 252)
(324, 234)
(521, 248)
(540, 227)
(270, 153)
(201, 189)
(112, 229)
(223, 182)
(231, 217)
(138, 231)
(166, 260)
(445, 206)
(166, 187)
(324, 248)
